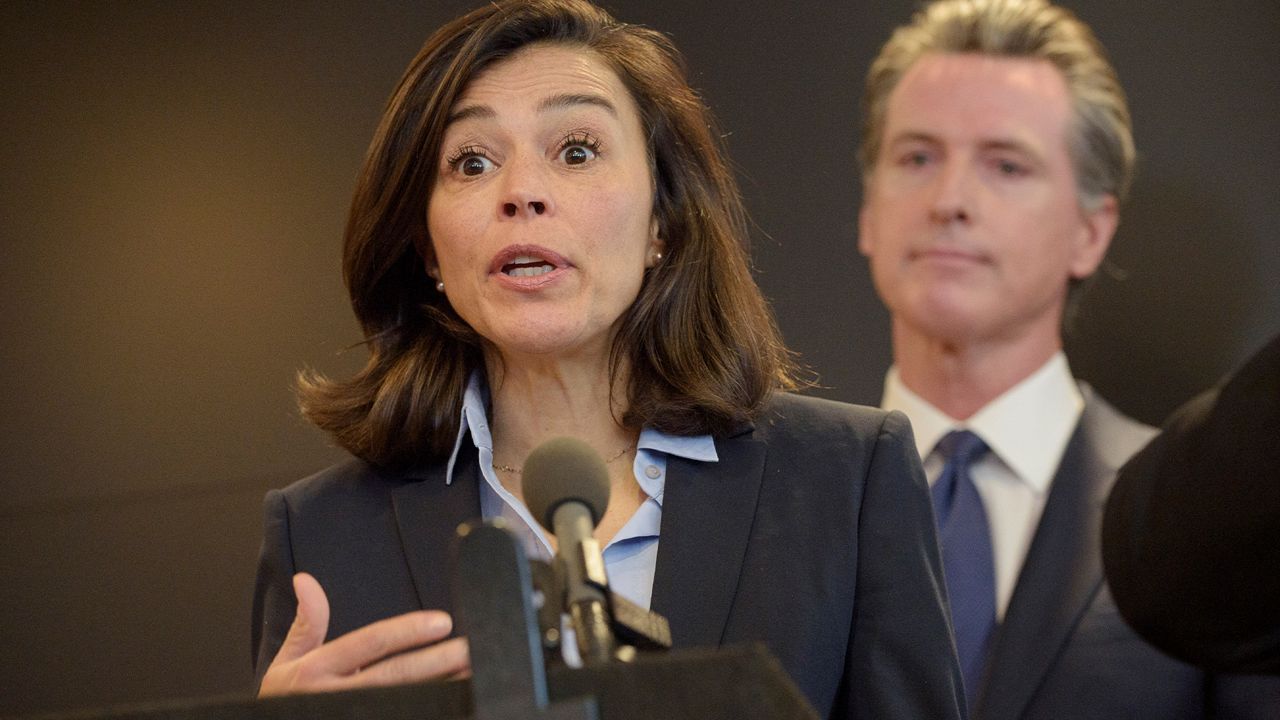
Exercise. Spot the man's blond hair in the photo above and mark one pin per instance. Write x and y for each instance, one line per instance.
(1101, 136)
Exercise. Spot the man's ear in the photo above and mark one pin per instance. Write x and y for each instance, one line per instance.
(866, 243)
(1097, 228)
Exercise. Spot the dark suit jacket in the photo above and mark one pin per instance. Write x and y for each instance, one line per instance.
(812, 534)
(1063, 652)
(1196, 515)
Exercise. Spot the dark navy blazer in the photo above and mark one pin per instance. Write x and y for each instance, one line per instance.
(1063, 652)
(812, 534)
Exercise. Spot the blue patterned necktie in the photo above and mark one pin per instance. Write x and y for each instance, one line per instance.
(967, 560)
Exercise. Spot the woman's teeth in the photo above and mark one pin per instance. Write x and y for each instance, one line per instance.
(529, 271)
(527, 266)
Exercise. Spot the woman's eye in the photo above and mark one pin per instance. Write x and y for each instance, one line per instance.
(474, 165)
(469, 160)
(579, 148)
(577, 154)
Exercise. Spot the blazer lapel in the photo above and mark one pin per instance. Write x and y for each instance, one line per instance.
(1059, 578)
(428, 513)
(707, 512)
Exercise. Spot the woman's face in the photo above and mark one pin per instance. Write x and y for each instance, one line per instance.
(542, 213)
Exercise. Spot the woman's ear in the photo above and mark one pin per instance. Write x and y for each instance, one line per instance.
(657, 246)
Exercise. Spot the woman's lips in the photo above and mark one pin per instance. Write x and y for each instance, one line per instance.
(528, 266)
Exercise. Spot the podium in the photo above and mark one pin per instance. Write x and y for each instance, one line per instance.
(510, 679)
(737, 683)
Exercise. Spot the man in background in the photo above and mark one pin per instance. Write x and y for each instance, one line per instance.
(996, 150)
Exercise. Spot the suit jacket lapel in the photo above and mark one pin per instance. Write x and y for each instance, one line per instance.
(707, 512)
(427, 513)
(1060, 576)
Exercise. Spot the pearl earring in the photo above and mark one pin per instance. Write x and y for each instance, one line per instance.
(657, 258)
(440, 285)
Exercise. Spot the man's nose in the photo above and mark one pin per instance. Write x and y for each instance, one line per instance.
(953, 193)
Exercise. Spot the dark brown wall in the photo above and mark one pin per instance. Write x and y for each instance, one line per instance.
(173, 182)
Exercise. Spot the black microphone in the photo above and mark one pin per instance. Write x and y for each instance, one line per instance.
(566, 487)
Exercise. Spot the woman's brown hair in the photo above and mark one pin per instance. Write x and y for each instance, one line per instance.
(699, 345)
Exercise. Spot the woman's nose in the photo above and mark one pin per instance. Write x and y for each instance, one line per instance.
(526, 190)
(513, 208)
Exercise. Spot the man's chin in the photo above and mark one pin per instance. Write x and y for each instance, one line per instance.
(949, 323)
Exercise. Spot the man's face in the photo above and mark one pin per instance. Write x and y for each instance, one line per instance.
(971, 220)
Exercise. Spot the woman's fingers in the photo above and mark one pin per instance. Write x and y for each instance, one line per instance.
(406, 648)
(379, 641)
(310, 622)
(446, 659)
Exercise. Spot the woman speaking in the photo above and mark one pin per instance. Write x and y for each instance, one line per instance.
(546, 240)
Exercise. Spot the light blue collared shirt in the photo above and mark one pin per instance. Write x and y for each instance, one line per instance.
(632, 554)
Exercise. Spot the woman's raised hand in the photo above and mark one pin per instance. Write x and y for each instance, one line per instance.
(406, 648)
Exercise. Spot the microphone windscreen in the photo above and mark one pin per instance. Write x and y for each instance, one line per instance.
(564, 469)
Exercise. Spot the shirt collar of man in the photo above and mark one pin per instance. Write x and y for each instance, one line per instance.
(1028, 427)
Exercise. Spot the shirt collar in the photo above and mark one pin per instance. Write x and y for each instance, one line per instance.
(475, 420)
(1027, 427)
(654, 446)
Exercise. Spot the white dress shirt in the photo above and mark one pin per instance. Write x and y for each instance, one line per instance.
(1027, 429)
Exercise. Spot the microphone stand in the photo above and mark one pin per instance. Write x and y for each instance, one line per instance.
(586, 584)
(510, 633)
(494, 598)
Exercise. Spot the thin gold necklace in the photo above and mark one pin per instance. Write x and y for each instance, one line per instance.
(516, 471)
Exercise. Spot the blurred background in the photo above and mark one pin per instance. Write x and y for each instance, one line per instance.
(174, 180)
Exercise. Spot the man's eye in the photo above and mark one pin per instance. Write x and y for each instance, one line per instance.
(1010, 168)
(915, 159)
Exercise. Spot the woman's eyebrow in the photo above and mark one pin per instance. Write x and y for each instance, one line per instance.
(470, 112)
(555, 102)
(567, 100)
